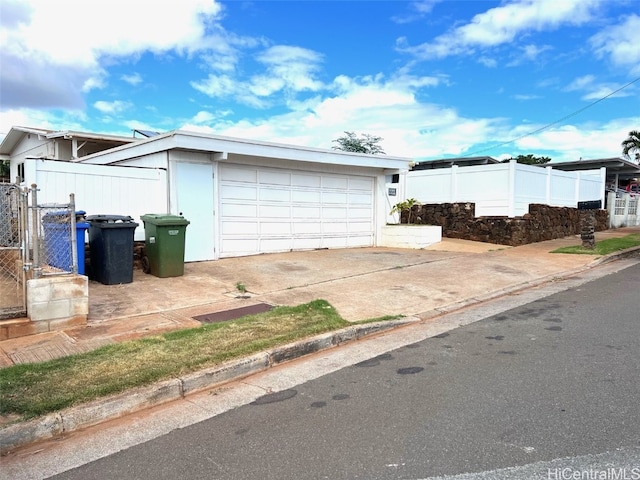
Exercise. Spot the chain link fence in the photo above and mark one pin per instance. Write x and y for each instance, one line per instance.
(13, 210)
(54, 237)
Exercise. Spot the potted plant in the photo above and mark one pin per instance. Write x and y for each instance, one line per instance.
(409, 235)
(406, 206)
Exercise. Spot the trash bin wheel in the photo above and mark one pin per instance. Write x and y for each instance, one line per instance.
(146, 266)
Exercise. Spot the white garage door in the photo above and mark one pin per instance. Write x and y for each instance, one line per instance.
(274, 210)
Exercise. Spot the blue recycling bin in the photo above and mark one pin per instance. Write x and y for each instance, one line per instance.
(57, 240)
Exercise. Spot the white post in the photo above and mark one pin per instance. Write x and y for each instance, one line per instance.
(611, 206)
(627, 201)
(511, 207)
(549, 171)
(454, 183)
(603, 185)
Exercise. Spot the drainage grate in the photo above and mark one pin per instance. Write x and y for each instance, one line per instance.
(227, 315)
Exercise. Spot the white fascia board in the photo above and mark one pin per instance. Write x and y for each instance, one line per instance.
(188, 141)
(218, 144)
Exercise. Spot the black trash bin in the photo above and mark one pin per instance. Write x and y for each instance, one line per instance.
(111, 248)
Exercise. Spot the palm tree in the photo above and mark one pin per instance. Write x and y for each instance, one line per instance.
(632, 143)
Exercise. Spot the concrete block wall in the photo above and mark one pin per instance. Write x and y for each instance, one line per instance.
(53, 303)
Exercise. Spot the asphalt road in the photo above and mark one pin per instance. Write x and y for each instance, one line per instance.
(539, 391)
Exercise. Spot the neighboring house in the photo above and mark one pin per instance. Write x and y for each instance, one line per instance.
(242, 197)
(620, 172)
(450, 162)
(22, 142)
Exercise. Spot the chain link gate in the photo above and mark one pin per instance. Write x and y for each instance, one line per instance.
(35, 241)
(13, 220)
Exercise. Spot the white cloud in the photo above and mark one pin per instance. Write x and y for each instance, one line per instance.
(417, 11)
(69, 40)
(287, 69)
(580, 141)
(133, 79)
(596, 91)
(620, 43)
(375, 105)
(504, 24)
(111, 108)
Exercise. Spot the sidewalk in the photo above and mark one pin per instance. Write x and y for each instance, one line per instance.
(360, 283)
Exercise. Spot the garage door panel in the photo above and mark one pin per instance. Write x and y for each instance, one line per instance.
(233, 174)
(239, 246)
(361, 184)
(265, 209)
(308, 181)
(360, 199)
(275, 228)
(308, 228)
(334, 212)
(239, 210)
(334, 242)
(360, 213)
(335, 227)
(335, 197)
(340, 183)
(238, 192)
(275, 195)
(270, 177)
(359, 227)
(243, 228)
(305, 243)
(274, 211)
(306, 212)
(306, 196)
(275, 244)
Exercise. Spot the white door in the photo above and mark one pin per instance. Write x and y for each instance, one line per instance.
(194, 194)
(275, 210)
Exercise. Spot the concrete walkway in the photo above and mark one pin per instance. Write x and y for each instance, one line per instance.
(360, 283)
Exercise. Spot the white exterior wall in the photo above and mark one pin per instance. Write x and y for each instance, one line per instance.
(505, 189)
(100, 189)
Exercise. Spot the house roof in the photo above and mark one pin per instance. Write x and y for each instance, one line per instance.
(615, 166)
(201, 142)
(449, 162)
(16, 134)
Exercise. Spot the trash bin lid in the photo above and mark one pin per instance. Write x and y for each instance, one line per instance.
(111, 221)
(164, 219)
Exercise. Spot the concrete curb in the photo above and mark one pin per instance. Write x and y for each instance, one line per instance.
(134, 400)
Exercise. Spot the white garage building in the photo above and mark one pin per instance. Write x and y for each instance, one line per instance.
(246, 197)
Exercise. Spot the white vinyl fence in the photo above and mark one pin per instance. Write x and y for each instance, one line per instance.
(505, 189)
(101, 189)
(624, 211)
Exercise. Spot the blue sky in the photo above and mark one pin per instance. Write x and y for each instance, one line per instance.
(433, 78)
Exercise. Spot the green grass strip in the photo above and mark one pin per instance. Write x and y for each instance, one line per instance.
(604, 247)
(30, 390)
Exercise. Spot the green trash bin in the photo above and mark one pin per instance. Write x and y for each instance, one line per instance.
(164, 240)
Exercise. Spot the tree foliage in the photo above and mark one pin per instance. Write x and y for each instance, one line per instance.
(529, 159)
(364, 144)
(631, 144)
(4, 168)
